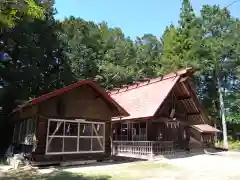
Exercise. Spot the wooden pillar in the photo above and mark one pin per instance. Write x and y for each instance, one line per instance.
(129, 131)
(41, 134)
(150, 131)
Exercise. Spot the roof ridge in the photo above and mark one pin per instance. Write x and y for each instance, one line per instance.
(151, 81)
(139, 85)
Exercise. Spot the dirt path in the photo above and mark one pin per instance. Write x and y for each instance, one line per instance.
(209, 167)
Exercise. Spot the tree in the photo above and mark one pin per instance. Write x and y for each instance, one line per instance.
(209, 43)
(220, 39)
(148, 49)
(182, 44)
(12, 10)
(33, 65)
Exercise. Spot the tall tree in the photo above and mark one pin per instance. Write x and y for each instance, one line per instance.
(220, 40)
(30, 65)
(182, 48)
(210, 43)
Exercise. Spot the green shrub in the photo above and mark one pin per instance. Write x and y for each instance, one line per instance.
(232, 145)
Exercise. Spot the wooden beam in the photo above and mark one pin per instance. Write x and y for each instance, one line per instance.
(183, 79)
(55, 131)
(99, 141)
(195, 113)
(183, 98)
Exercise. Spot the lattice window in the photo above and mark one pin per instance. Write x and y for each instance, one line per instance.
(74, 136)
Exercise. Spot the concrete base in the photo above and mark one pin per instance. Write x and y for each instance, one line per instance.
(72, 163)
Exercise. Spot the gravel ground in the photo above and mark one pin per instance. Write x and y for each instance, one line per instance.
(223, 166)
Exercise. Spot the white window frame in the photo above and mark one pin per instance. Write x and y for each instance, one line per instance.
(78, 121)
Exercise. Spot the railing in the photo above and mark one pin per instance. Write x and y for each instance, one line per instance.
(146, 148)
(162, 147)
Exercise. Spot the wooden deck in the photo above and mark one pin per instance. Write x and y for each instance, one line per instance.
(143, 148)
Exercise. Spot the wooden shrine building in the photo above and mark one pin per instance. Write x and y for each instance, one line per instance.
(165, 115)
(69, 124)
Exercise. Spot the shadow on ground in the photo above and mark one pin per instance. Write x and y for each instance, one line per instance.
(55, 175)
(56, 172)
(115, 160)
(196, 152)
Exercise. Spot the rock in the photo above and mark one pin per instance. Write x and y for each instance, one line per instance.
(18, 157)
(16, 161)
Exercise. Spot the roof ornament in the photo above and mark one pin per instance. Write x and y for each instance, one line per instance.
(174, 123)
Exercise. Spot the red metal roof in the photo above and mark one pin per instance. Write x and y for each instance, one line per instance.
(102, 92)
(143, 100)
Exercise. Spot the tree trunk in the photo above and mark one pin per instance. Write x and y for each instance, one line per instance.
(222, 112)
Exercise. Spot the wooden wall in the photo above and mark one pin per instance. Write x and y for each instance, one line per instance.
(169, 103)
(82, 102)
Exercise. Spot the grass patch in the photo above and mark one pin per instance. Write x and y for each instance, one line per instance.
(232, 145)
(135, 171)
(151, 165)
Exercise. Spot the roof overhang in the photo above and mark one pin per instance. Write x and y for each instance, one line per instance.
(205, 128)
(117, 119)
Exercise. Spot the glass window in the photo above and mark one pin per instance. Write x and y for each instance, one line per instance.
(70, 144)
(55, 144)
(84, 144)
(56, 128)
(72, 136)
(98, 130)
(85, 129)
(97, 144)
(71, 129)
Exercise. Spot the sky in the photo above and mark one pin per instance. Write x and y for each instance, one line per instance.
(134, 17)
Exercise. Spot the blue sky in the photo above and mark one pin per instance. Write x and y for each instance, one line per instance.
(134, 17)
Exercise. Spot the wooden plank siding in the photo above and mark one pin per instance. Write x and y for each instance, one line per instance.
(80, 103)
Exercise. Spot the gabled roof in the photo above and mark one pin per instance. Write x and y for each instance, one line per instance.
(102, 92)
(143, 100)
